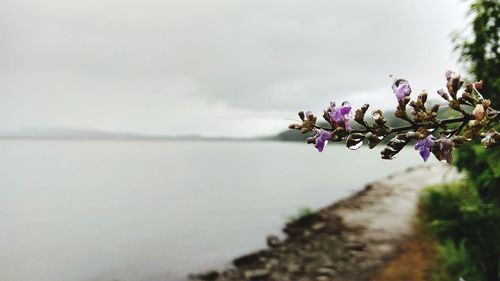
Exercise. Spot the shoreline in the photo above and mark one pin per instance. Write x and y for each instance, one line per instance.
(351, 239)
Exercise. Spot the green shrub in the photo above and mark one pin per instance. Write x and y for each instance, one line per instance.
(301, 213)
(466, 227)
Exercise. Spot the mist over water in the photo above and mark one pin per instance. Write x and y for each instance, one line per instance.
(157, 210)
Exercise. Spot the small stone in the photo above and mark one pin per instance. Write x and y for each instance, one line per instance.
(272, 263)
(208, 276)
(326, 271)
(293, 268)
(257, 275)
(327, 262)
(248, 259)
(322, 278)
(355, 246)
(318, 226)
(273, 241)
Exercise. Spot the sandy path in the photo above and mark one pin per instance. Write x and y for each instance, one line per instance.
(349, 240)
(386, 210)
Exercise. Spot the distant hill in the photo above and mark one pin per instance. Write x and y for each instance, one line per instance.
(79, 133)
(291, 135)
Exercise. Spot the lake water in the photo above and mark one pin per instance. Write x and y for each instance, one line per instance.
(157, 210)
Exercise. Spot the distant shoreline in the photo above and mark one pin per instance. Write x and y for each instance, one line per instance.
(111, 138)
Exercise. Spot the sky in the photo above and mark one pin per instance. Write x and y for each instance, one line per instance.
(234, 68)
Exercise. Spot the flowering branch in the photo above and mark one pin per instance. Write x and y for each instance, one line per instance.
(430, 132)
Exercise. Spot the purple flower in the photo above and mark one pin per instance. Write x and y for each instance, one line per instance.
(444, 149)
(424, 147)
(341, 115)
(321, 139)
(401, 88)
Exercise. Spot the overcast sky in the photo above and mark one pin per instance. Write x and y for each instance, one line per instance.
(233, 68)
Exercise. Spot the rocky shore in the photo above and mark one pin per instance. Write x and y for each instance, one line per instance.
(350, 240)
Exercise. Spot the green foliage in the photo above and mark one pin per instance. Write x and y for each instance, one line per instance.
(457, 260)
(442, 209)
(301, 213)
(481, 51)
(465, 216)
(483, 168)
(467, 228)
(305, 211)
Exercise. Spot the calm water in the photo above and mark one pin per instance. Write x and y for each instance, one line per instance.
(151, 210)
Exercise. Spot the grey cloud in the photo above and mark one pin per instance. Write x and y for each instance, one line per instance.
(249, 55)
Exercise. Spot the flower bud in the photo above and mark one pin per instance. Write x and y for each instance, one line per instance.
(310, 115)
(373, 140)
(301, 115)
(435, 108)
(452, 92)
(474, 124)
(467, 97)
(326, 116)
(355, 140)
(378, 117)
(478, 112)
(443, 94)
(308, 123)
(468, 88)
(414, 135)
(423, 96)
(406, 100)
(443, 151)
(364, 108)
(377, 112)
(458, 140)
(419, 104)
(448, 74)
(399, 113)
(455, 82)
(388, 153)
(422, 131)
(359, 114)
(472, 129)
(394, 146)
(478, 85)
(491, 139)
(454, 104)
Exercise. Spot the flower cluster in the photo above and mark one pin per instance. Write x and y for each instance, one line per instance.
(431, 134)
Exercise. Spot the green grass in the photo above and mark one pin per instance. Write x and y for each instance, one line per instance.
(301, 213)
(441, 212)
